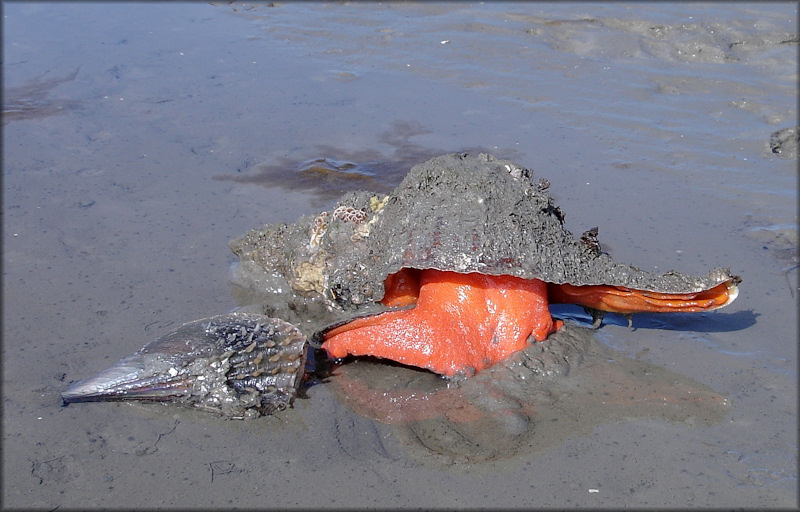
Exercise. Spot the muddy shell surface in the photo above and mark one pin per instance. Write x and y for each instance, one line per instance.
(455, 212)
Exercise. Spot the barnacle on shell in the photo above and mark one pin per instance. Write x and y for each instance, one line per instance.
(349, 214)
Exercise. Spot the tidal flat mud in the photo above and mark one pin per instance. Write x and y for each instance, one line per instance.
(115, 229)
(529, 403)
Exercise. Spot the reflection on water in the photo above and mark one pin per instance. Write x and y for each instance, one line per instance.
(331, 171)
(531, 402)
(32, 100)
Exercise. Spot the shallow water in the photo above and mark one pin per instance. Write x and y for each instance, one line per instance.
(651, 121)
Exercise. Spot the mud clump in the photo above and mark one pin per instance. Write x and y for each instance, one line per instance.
(784, 142)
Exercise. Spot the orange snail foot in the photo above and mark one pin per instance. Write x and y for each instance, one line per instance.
(460, 323)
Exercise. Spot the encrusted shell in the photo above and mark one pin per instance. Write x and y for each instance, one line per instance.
(455, 212)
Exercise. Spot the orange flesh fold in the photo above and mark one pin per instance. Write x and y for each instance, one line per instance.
(461, 322)
(618, 299)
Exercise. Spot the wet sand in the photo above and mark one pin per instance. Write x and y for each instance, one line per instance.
(123, 183)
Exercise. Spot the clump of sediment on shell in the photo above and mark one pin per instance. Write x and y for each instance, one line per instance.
(456, 212)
